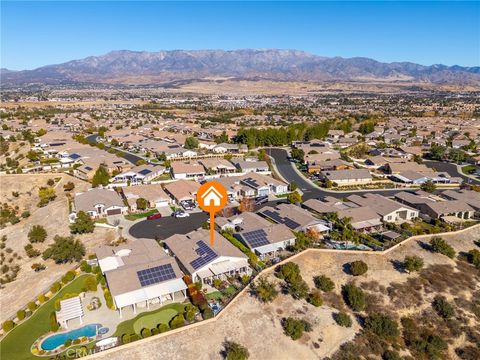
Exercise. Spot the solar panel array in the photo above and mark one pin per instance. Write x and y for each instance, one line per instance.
(256, 238)
(75, 156)
(145, 171)
(280, 219)
(156, 275)
(205, 255)
(251, 182)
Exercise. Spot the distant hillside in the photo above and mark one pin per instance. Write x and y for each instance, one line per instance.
(141, 67)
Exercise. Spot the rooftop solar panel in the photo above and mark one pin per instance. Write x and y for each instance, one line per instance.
(256, 238)
(74, 156)
(205, 255)
(145, 171)
(156, 275)
(280, 219)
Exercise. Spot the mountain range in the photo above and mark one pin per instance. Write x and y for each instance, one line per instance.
(141, 67)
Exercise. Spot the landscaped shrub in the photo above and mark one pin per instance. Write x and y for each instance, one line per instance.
(288, 272)
(53, 322)
(382, 325)
(207, 313)
(91, 283)
(85, 267)
(21, 315)
(125, 338)
(315, 298)
(32, 306)
(8, 325)
(343, 319)
(177, 321)
(324, 283)
(442, 247)
(155, 331)
(56, 286)
(298, 288)
(163, 328)
(354, 297)
(67, 343)
(76, 341)
(443, 307)
(42, 298)
(217, 283)
(358, 268)
(69, 276)
(108, 299)
(190, 312)
(145, 333)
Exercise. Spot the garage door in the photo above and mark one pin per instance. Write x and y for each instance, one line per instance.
(114, 212)
(161, 203)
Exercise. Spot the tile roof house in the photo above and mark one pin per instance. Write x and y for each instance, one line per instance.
(434, 207)
(251, 166)
(153, 193)
(182, 190)
(230, 148)
(99, 203)
(216, 166)
(140, 273)
(472, 198)
(203, 262)
(294, 217)
(263, 184)
(347, 177)
(190, 170)
(140, 174)
(387, 209)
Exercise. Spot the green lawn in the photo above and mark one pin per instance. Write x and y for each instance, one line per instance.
(133, 217)
(128, 327)
(151, 321)
(468, 169)
(16, 345)
(216, 295)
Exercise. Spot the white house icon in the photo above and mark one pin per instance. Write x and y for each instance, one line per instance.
(210, 195)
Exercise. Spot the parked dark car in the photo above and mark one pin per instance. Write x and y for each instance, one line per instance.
(154, 216)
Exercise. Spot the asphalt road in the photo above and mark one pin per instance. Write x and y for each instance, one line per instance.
(450, 169)
(126, 155)
(167, 226)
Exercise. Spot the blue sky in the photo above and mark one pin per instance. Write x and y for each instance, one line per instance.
(38, 33)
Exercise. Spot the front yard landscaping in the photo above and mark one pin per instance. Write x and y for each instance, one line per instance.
(133, 217)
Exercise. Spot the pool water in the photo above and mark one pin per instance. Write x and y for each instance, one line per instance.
(54, 341)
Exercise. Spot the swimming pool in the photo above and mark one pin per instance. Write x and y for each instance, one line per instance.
(54, 341)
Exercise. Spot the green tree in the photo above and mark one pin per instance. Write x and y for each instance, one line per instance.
(223, 138)
(391, 355)
(473, 257)
(265, 290)
(298, 154)
(315, 298)
(142, 204)
(177, 321)
(457, 155)
(443, 307)
(442, 247)
(289, 272)
(46, 194)
(324, 283)
(343, 319)
(366, 127)
(64, 249)
(382, 325)
(354, 297)
(428, 186)
(294, 197)
(437, 152)
(7, 325)
(413, 263)
(101, 176)
(298, 288)
(83, 224)
(91, 283)
(235, 351)
(358, 268)
(292, 186)
(191, 143)
(295, 327)
(32, 155)
(37, 234)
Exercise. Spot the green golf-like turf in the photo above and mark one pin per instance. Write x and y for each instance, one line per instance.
(16, 345)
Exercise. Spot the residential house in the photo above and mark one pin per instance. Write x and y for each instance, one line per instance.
(216, 166)
(140, 274)
(251, 166)
(295, 218)
(140, 174)
(264, 185)
(187, 170)
(98, 203)
(182, 190)
(205, 262)
(389, 210)
(154, 194)
(230, 148)
(347, 177)
(470, 197)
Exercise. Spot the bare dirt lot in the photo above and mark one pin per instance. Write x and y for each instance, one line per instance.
(257, 326)
(54, 218)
